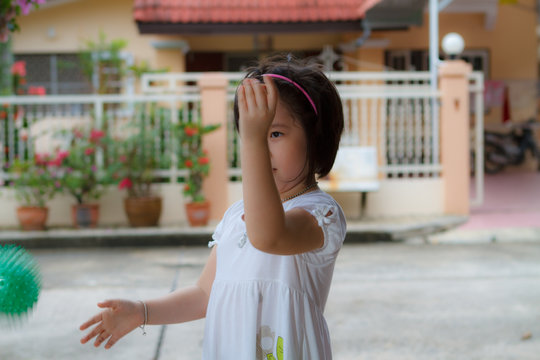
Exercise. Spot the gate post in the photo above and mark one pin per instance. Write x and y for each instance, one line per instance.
(214, 111)
(454, 136)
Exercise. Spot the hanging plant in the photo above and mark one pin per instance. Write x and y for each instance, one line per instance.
(10, 10)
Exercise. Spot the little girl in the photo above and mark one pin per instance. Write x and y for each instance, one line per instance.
(266, 281)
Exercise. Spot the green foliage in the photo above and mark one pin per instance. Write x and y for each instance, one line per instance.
(193, 157)
(36, 181)
(144, 68)
(81, 177)
(139, 153)
(10, 10)
(102, 58)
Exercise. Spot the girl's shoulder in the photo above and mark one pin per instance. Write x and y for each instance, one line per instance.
(320, 203)
(330, 218)
(237, 208)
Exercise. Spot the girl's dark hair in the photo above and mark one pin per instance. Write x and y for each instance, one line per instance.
(323, 131)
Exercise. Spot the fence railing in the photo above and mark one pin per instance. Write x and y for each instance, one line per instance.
(28, 123)
(476, 90)
(388, 110)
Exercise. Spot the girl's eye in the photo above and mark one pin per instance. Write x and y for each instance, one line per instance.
(275, 134)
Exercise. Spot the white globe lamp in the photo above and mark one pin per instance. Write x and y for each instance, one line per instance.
(453, 44)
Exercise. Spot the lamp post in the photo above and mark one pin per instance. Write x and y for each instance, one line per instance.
(453, 45)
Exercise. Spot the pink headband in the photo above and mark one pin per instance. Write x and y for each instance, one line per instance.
(298, 86)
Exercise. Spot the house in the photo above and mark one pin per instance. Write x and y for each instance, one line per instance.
(500, 40)
(182, 37)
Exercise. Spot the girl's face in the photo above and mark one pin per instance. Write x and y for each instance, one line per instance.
(288, 150)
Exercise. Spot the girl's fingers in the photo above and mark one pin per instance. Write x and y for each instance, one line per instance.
(241, 94)
(249, 94)
(96, 331)
(93, 320)
(271, 92)
(101, 338)
(108, 304)
(261, 97)
(111, 342)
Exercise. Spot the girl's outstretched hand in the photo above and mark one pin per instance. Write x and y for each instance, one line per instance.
(118, 319)
(256, 106)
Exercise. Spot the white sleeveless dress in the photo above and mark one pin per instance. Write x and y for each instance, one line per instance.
(265, 306)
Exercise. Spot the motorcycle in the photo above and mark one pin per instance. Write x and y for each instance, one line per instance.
(504, 149)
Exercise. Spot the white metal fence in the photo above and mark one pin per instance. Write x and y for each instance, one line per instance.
(27, 122)
(390, 111)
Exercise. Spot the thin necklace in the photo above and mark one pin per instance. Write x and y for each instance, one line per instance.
(299, 193)
(244, 237)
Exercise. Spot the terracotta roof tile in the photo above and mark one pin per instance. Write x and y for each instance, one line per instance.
(249, 11)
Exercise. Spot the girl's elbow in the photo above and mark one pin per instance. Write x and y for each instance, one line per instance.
(265, 244)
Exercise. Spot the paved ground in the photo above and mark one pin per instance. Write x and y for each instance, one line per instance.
(388, 301)
(510, 212)
(512, 199)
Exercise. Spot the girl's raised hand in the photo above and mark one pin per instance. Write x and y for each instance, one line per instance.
(118, 319)
(256, 106)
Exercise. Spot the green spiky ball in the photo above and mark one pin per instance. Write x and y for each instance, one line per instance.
(20, 281)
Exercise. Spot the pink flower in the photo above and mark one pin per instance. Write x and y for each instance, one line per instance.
(95, 135)
(62, 155)
(19, 68)
(25, 6)
(125, 184)
(89, 151)
(37, 90)
(188, 163)
(55, 162)
(77, 133)
(57, 184)
(41, 159)
(122, 158)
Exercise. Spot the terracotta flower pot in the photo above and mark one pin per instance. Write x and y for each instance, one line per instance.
(32, 217)
(198, 213)
(85, 215)
(143, 211)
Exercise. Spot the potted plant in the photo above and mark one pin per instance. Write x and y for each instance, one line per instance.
(81, 176)
(195, 160)
(138, 158)
(35, 182)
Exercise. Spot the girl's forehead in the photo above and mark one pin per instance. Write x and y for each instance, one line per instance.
(283, 116)
(285, 121)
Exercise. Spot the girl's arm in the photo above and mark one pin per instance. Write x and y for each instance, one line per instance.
(186, 304)
(120, 317)
(269, 228)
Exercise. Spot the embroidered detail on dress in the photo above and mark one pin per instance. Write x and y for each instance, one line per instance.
(325, 214)
(242, 240)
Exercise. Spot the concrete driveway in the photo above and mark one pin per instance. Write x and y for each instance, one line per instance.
(388, 301)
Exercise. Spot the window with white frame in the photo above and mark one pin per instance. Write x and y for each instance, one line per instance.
(63, 74)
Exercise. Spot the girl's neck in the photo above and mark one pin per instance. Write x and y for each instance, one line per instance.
(299, 189)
